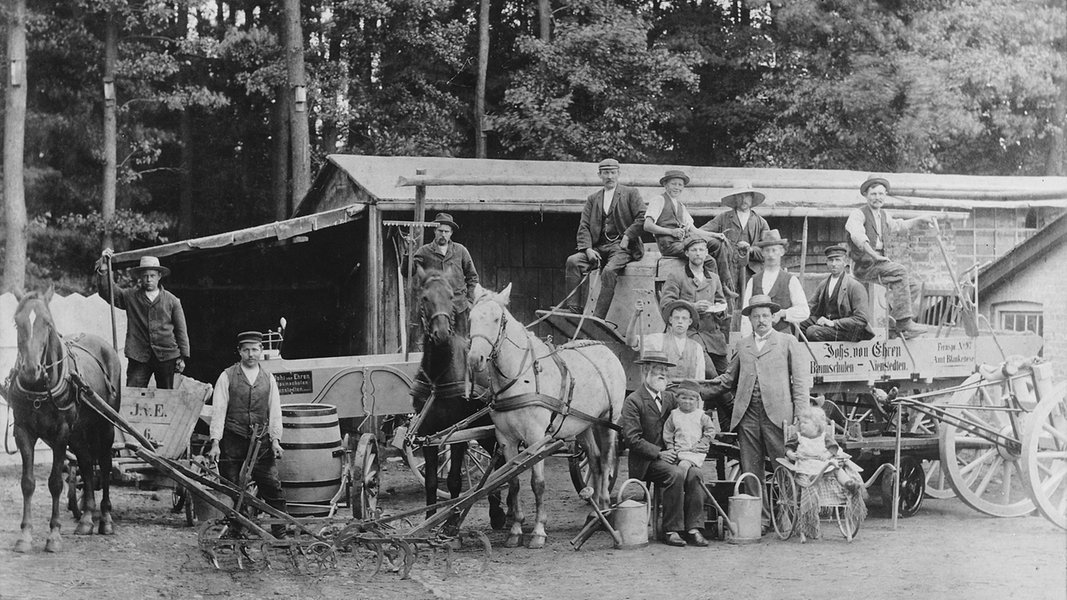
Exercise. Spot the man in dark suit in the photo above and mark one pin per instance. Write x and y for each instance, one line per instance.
(839, 305)
(643, 415)
(609, 236)
(769, 376)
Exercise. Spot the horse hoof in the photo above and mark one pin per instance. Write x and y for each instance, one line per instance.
(107, 529)
(498, 519)
(84, 529)
(52, 546)
(513, 541)
(23, 546)
(536, 542)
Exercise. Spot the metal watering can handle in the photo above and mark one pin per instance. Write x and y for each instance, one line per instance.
(759, 484)
(644, 488)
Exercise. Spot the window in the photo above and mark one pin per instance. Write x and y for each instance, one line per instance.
(1022, 320)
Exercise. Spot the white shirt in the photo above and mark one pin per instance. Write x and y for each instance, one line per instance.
(794, 314)
(655, 396)
(152, 295)
(742, 217)
(655, 207)
(856, 219)
(761, 340)
(220, 400)
(832, 285)
(608, 195)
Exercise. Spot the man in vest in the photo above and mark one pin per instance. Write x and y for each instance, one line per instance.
(839, 305)
(667, 218)
(609, 235)
(452, 259)
(740, 227)
(698, 283)
(782, 286)
(246, 403)
(867, 229)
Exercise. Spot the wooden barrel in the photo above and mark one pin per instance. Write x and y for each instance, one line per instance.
(311, 464)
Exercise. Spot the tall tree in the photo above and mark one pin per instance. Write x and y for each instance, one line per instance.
(111, 45)
(14, 146)
(483, 69)
(299, 137)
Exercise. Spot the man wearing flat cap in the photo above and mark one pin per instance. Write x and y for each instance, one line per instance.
(770, 379)
(609, 236)
(737, 230)
(452, 259)
(699, 284)
(246, 406)
(775, 281)
(839, 305)
(668, 219)
(157, 341)
(868, 228)
(644, 414)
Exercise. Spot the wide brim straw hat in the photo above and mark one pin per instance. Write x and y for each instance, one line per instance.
(731, 198)
(149, 263)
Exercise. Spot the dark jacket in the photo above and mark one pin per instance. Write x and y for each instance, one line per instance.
(153, 328)
(727, 224)
(457, 265)
(627, 213)
(642, 428)
(684, 287)
(851, 307)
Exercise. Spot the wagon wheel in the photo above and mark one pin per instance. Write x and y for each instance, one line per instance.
(986, 476)
(785, 503)
(476, 461)
(181, 501)
(848, 522)
(1045, 456)
(937, 485)
(912, 486)
(578, 464)
(364, 473)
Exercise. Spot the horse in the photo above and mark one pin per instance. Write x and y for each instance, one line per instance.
(47, 404)
(574, 391)
(443, 373)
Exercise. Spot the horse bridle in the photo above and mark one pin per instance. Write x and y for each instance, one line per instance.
(449, 314)
(494, 352)
(53, 392)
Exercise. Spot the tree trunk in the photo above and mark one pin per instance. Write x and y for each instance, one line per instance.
(107, 211)
(279, 154)
(185, 195)
(14, 277)
(544, 10)
(299, 138)
(483, 66)
(1056, 163)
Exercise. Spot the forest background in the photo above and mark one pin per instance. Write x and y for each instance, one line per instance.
(147, 121)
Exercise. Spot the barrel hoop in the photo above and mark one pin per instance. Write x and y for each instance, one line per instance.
(319, 425)
(299, 410)
(310, 484)
(313, 445)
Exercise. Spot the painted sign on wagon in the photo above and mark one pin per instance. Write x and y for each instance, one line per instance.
(879, 359)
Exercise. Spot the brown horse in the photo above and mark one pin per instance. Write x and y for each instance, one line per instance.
(47, 404)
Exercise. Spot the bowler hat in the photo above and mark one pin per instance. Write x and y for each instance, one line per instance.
(674, 174)
(835, 250)
(734, 195)
(249, 337)
(771, 238)
(608, 163)
(149, 263)
(687, 386)
(873, 181)
(758, 301)
(668, 310)
(446, 219)
(654, 357)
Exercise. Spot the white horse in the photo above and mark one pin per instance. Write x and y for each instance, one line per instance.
(575, 391)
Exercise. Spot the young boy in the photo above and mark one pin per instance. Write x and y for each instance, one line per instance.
(688, 430)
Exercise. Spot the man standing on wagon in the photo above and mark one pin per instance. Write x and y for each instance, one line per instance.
(157, 343)
(783, 287)
(246, 402)
(609, 235)
(867, 229)
(452, 259)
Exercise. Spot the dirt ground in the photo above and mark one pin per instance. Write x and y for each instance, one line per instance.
(947, 551)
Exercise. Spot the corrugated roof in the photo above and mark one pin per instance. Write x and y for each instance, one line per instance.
(521, 185)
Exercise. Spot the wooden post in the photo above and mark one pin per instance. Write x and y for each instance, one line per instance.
(804, 248)
(372, 288)
(414, 241)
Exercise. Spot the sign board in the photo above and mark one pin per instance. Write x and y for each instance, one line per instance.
(894, 359)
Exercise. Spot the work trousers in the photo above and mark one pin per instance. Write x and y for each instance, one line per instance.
(758, 437)
(821, 333)
(232, 451)
(729, 266)
(613, 260)
(682, 496)
(902, 291)
(138, 373)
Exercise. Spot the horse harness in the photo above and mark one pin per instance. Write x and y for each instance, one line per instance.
(559, 405)
(68, 368)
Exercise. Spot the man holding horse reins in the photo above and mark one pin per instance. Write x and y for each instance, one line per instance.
(454, 261)
(247, 404)
(157, 342)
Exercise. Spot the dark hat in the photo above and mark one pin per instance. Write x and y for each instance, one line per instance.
(687, 386)
(758, 301)
(446, 219)
(835, 250)
(694, 240)
(674, 174)
(872, 181)
(735, 193)
(653, 357)
(249, 337)
(608, 163)
(668, 310)
(772, 238)
(149, 263)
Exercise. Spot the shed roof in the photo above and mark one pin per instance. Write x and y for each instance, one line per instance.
(1023, 256)
(555, 186)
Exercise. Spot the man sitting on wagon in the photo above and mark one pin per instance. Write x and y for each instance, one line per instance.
(737, 230)
(839, 305)
(698, 283)
(667, 218)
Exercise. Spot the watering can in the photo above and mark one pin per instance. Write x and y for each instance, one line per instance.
(631, 517)
(746, 513)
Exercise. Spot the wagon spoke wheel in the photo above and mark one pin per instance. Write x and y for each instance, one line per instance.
(578, 464)
(986, 476)
(785, 503)
(475, 462)
(1045, 456)
(912, 486)
(921, 424)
